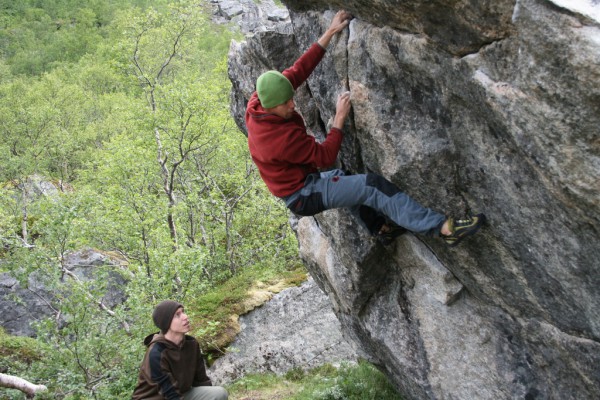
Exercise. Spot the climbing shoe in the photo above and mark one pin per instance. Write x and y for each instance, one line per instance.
(461, 228)
(392, 232)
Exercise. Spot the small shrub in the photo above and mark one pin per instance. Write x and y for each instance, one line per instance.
(331, 393)
(325, 370)
(295, 374)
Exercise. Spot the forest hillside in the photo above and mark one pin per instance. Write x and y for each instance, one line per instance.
(120, 162)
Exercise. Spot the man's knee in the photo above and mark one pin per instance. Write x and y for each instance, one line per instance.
(207, 393)
(383, 185)
(217, 393)
(221, 394)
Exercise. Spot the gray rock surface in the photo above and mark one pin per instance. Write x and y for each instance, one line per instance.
(252, 16)
(295, 329)
(468, 106)
(24, 304)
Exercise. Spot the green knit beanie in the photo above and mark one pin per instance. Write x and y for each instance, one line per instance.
(273, 89)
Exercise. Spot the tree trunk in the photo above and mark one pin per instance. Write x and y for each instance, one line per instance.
(14, 382)
(25, 218)
(171, 223)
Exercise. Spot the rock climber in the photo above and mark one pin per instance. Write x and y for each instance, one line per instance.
(288, 160)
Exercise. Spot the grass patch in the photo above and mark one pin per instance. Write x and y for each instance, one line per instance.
(350, 382)
(360, 381)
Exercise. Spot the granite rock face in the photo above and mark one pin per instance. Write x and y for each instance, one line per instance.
(295, 329)
(252, 16)
(467, 106)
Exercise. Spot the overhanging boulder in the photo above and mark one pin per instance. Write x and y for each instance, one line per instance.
(467, 106)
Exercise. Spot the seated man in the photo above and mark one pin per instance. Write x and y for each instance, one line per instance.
(173, 367)
(287, 159)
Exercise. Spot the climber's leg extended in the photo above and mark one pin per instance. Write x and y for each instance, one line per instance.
(379, 205)
(381, 195)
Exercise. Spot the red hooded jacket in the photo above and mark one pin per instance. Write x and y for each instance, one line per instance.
(281, 148)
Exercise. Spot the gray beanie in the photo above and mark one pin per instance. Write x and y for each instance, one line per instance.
(163, 314)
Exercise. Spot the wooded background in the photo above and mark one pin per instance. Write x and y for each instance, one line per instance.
(122, 105)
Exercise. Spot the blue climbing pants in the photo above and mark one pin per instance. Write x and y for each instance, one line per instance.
(370, 197)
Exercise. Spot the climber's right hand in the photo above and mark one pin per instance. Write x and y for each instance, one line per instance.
(342, 109)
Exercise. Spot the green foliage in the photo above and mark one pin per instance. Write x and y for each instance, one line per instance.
(9, 221)
(47, 126)
(295, 374)
(121, 109)
(17, 354)
(90, 353)
(40, 35)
